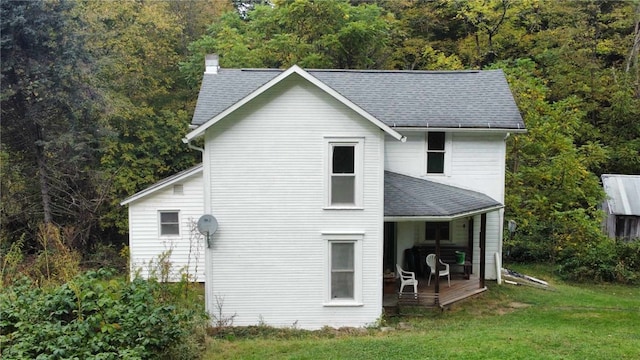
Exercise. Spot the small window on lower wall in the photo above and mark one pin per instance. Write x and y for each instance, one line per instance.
(169, 223)
(344, 274)
(342, 270)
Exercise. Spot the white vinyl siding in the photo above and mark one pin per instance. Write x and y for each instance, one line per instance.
(147, 246)
(478, 163)
(267, 164)
(475, 161)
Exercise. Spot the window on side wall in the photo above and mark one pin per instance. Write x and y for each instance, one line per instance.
(436, 142)
(344, 173)
(344, 265)
(169, 223)
(342, 270)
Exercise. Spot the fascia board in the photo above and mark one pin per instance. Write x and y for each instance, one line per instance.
(462, 129)
(443, 218)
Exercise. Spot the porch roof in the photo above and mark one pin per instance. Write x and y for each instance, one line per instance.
(413, 198)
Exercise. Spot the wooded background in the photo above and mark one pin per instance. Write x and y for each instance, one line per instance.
(96, 96)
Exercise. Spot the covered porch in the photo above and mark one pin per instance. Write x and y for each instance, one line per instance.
(424, 217)
(460, 289)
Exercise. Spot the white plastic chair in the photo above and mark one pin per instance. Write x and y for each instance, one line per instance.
(431, 261)
(407, 278)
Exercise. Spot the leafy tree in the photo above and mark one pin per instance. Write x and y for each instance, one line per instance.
(320, 34)
(551, 193)
(50, 136)
(139, 45)
(582, 51)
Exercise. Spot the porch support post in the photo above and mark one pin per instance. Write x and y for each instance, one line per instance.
(483, 250)
(437, 274)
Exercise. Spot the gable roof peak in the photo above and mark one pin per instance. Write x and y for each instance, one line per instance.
(277, 79)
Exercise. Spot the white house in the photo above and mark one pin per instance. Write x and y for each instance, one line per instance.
(162, 230)
(322, 180)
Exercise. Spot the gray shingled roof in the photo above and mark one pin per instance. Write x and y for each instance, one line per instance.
(440, 99)
(623, 194)
(409, 196)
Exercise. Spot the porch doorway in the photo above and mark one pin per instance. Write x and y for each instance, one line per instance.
(390, 248)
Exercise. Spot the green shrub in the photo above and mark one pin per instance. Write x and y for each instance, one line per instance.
(96, 316)
(532, 243)
(603, 260)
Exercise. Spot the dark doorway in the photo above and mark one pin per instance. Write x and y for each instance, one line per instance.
(389, 256)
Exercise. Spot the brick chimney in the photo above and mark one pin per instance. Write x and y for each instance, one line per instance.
(211, 64)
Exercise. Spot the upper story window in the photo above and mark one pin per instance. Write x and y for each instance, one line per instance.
(436, 142)
(344, 173)
(169, 223)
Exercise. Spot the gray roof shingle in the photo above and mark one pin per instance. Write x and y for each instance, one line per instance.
(436, 99)
(409, 196)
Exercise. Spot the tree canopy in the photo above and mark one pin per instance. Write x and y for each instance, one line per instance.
(96, 95)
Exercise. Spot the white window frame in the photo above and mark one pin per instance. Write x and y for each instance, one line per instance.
(344, 238)
(160, 223)
(446, 168)
(358, 144)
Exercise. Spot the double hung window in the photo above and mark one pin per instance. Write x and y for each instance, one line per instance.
(344, 264)
(344, 173)
(435, 152)
(342, 270)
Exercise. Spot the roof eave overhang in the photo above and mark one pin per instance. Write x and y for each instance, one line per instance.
(199, 131)
(461, 129)
(443, 217)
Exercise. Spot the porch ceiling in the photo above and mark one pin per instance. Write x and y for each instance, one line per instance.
(410, 197)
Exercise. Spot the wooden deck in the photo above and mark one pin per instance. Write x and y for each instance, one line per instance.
(460, 289)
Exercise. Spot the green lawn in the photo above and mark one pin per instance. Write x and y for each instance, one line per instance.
(507, 322)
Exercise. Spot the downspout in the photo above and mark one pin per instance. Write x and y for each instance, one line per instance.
(191, 146)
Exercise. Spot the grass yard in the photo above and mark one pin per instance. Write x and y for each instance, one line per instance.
(506, 322)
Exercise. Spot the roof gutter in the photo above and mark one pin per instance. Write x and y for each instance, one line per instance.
(442, 218)
(460, 129)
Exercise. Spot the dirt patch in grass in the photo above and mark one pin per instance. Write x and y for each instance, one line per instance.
(518, 305)
(511, 307)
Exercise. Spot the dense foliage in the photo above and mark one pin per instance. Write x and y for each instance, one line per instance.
(96, 316)
(96, 96)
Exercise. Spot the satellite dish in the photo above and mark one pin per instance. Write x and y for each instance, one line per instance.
(207, 226)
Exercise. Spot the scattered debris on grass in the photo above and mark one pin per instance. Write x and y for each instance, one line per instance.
(514, 278)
